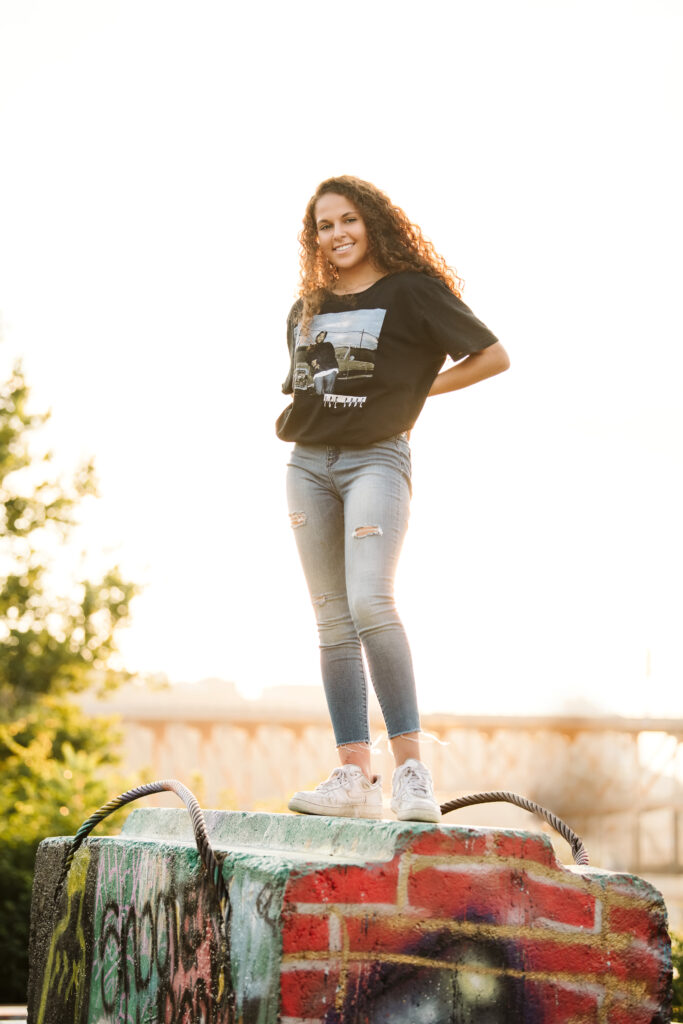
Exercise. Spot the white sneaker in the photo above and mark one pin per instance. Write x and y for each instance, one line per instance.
(346, 794)
(412, 797)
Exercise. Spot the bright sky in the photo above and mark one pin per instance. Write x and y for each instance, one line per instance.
(157, 156)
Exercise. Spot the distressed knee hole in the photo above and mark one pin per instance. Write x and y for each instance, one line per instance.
(297, 519)
(367, 531)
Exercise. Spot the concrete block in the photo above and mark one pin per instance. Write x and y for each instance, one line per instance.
(338, 921)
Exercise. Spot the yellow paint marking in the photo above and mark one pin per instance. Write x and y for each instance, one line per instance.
(635, 989)
(57, 967)
(178, 923)
(343, 968)
(605, 1006)
(629, 994)
(604, 941)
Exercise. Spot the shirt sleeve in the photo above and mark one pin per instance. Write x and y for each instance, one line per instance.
(448, 323)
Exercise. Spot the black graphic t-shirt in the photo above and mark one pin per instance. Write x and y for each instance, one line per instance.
(368, 361)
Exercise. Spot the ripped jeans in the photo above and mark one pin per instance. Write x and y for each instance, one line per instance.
(349, 511)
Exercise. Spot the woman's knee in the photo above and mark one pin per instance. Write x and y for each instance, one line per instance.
(373, 611)
(335, 623)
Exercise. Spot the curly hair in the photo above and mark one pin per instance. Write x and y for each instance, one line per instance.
(394, 244)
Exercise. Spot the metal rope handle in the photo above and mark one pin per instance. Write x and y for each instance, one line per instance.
(579, 852)
(207, 856)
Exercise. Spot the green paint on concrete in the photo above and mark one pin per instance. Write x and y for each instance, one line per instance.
(256, 901)
(65, 972)
(297, 837)
(133, 876)
(137, 935)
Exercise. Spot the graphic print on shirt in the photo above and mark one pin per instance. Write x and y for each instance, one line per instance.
(337, 358)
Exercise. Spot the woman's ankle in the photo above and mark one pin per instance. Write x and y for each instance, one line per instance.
(358, 754)
(405, 746)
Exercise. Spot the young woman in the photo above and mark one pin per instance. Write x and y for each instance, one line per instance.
(377, 315)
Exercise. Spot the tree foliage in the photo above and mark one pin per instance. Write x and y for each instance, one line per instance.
(56, 763)
(677, 961)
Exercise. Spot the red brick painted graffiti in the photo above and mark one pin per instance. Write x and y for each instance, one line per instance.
(486, 927)
(349, 922)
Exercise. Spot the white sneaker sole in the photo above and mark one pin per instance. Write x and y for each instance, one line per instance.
(348, 811)
(418, 813)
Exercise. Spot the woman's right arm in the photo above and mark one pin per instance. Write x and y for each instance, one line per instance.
(470, 370)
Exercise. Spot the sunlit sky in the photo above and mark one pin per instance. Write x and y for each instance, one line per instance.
(157, 156)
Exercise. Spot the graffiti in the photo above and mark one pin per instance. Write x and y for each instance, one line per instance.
(138, 939)
(255, 928)
(160, 952)
(436, 979)
(64, 980)
(456, 927)
(464, 937)
(146, 950)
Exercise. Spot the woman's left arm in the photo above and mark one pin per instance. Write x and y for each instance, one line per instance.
(487, 363)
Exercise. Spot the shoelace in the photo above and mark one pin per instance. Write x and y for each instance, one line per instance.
(416, 783)
(334, 778)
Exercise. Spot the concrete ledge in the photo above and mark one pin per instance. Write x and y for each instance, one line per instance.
(337, 921)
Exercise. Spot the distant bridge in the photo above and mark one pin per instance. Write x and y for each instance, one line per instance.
(616, 781)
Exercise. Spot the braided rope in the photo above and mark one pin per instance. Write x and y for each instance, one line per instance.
(207, 856)
(579, 852)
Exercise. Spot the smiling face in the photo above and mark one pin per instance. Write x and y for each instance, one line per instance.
(342, 235)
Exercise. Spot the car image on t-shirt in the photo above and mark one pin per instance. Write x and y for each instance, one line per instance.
(363, 369)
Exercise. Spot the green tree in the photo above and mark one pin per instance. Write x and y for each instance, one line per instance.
(56, 764)
(677, 961)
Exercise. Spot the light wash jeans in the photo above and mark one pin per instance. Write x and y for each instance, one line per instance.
(349, 511)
